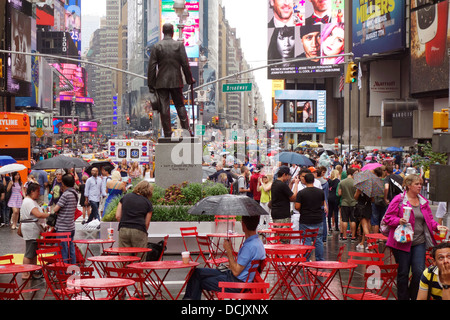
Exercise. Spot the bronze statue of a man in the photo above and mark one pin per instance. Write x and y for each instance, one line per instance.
(168, 58)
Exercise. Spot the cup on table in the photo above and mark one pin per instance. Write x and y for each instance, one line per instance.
(185, 256)
(110, 233)
(442, 232)
(407, 213)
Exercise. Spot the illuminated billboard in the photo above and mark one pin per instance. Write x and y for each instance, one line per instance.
(18, 33)
(63, 125)
(191, 31)
(73, 21)
(301, 111)
(45, 13)
(305, 29)
(77, 77)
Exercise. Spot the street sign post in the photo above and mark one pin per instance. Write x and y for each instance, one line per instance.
(237, 87)
(200, 130)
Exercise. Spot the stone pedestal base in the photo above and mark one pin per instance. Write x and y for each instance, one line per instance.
(178, 160)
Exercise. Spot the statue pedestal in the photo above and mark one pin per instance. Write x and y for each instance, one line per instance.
(178, 160)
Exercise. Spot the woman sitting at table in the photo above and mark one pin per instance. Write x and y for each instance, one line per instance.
(208, 278)
(30, 214)
(134, 214)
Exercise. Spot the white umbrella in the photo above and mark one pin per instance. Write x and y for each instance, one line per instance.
(14, 167)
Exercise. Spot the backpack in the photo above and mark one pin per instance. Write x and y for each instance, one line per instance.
(157, 249)
(235, 186)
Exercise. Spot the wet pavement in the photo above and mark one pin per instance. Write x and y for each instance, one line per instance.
(11, 243)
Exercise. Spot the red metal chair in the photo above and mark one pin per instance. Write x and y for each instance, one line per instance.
(205, 251)
(375, 285)
(190, 233)
(326, 274)
(247, 291)
(7, 259)
(166, 238)
(312, 234)
(229, 222)
(279, 225)
(129, 273)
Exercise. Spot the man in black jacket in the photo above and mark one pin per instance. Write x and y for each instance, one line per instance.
(167, 59)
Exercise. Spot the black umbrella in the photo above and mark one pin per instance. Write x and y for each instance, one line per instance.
(228, 204)
(329, 152)
(99, 165)
(60, 162)
(294, 158)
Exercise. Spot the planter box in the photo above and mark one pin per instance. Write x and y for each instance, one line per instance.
(158, 230)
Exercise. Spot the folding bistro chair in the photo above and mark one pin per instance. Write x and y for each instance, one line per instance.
(129, 273)
(10, 290)
(7, 260)
(310, 234)
(224, 221)
(190, 233)
(326, 274)
(247, 291)
(59, 274)
(375, 285)
(205, 251)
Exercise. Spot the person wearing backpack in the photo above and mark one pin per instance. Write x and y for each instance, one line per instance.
(393, 185)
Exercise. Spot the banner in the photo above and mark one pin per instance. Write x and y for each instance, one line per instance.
(305, 29)
(378, 27)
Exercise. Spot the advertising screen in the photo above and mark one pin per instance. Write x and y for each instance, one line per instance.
(191, 31)
(18, 38)
(45, 13)
(301, 111)
(378, 27)
(63, 125)
(76, 76)
(73, 21)
(429, 45)
(88, 126)
(305, 29)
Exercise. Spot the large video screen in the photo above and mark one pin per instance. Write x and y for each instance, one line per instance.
(300, 111)
(77, 77)
(45, 13)
(73, 21)
(191, 31)
(305, 29)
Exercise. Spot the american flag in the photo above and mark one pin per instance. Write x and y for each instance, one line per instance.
(341, 83)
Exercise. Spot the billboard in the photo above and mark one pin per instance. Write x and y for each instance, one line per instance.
(301, 111)
(86, 126)
(191, 31)
(45, 13)
(305, 29)
(77, 77)
(18, 26)
(63, 125)
(429, 43)
(73, 21)
(378, 27)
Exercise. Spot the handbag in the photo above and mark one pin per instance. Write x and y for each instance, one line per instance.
(157, 249)
(51, 220)
(154, 100)
(19, 231)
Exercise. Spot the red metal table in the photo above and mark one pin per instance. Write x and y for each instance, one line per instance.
(89, 242)
(101, 262)
(12, 290)
(320, 288)
(156, 281)
(286, 260)
(114, 287)
(216, 249)
(127, 251)
(378, 236)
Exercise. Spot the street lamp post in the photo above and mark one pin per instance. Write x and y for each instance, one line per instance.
(180, 9)
(73, 113)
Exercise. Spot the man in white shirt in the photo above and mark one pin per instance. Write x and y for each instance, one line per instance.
(93, 194)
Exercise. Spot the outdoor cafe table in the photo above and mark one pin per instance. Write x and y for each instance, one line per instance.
(156, 281)
(14, 270)
(101, 262)
(127, 250)
(321, 288)
(286, 260)
(114, 287)
(216, 250)
(89, 242)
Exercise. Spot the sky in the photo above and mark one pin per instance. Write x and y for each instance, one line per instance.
(252, 32)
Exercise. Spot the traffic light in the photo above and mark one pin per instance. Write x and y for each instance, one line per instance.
(352, 72)
(440, 120)
(213, 120)
(217, 120)
(150, 116)
(1, 68)
(128, 120)
(256, 121)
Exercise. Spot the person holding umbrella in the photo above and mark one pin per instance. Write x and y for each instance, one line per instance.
(208, 278)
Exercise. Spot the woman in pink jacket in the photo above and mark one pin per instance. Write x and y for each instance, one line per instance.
(410, 255)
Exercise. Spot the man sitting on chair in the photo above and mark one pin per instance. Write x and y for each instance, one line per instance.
(208, 278)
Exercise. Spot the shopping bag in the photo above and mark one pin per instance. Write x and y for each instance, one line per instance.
(404, 233)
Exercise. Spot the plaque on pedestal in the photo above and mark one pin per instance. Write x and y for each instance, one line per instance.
(178, 160)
